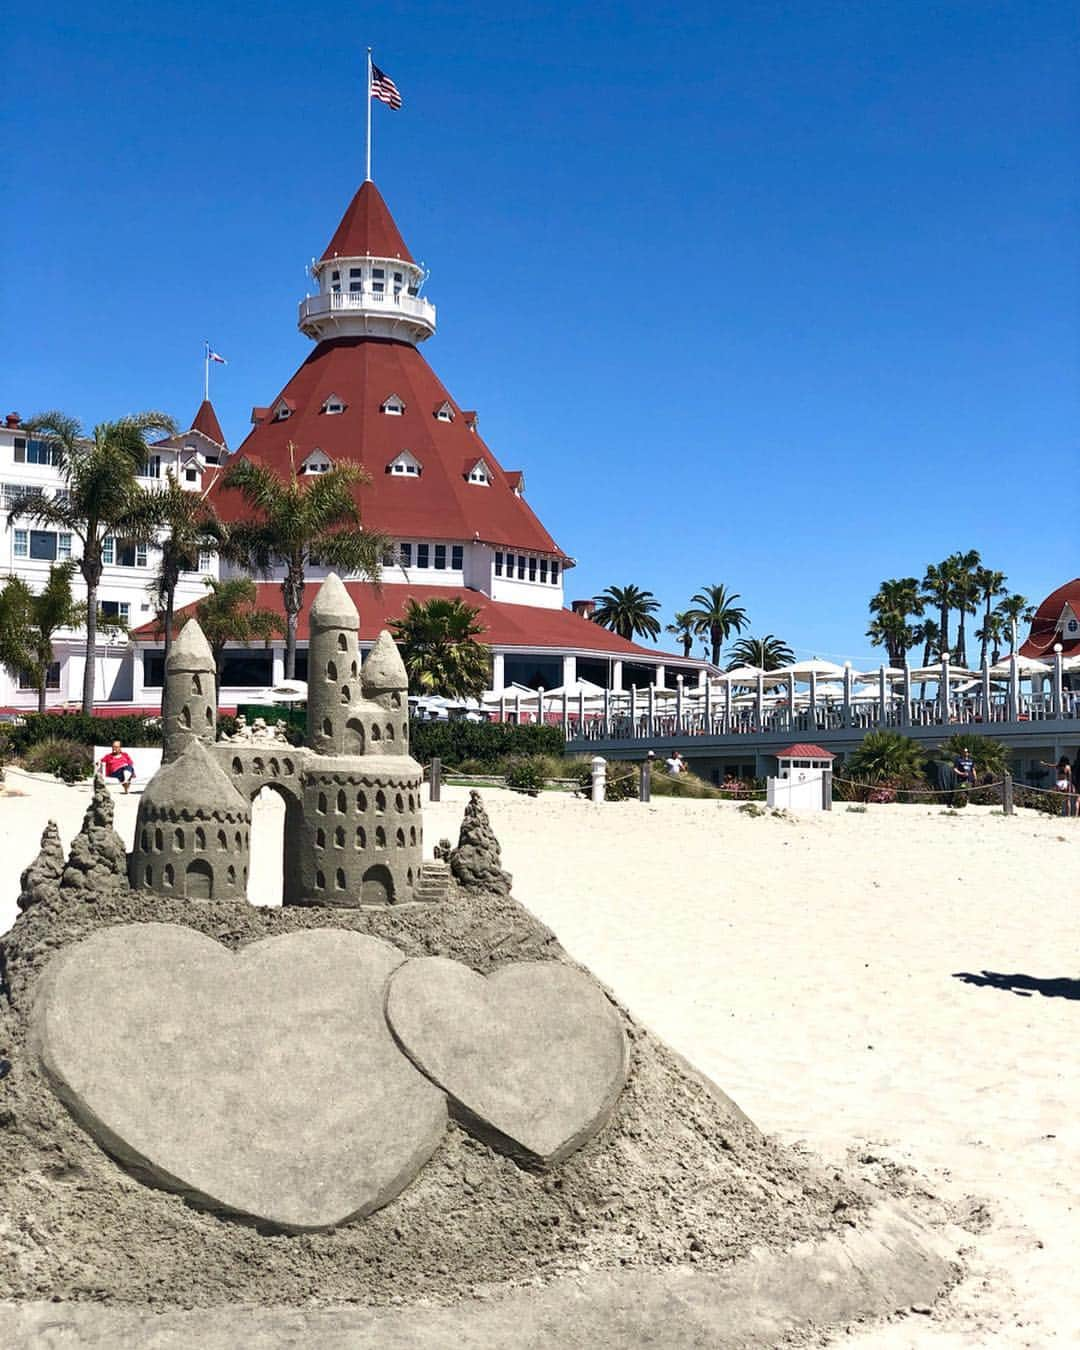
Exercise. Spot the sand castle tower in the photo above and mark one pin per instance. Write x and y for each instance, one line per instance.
(189, 706)
(193, 830)
(362, 832)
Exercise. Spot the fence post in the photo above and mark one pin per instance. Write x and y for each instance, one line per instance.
(645, 782)
(1007, 794)
(599, 773)
(435, 792)
(826, 789)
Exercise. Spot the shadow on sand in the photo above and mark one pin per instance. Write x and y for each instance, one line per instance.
(1024, 985)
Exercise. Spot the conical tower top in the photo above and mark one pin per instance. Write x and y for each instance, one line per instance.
(333, 607)
(191, 651)
(383, 670)
(369, 282)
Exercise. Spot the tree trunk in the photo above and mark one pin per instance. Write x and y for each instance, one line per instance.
(170, 605)
(961, 639)
(91, 647)
(717, 639)
(687, 643)
(292, 591)
(42, 683)
(986, 632)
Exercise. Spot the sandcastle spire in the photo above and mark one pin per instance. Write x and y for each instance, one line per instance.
(189, 705)
(333, 669)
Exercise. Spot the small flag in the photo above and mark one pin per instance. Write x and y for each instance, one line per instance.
(211, 355)
(384, 88)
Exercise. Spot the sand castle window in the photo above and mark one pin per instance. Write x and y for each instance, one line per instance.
(380, 837)
(159, 842)
(342, 643)
(339, 837)
(412, 834)
(237, 764)
(322, 803)
(148, 875)
(257, 765)
(287, 765)
(223, 840)
(361, 837)
(320, 881)
(346, 697)
(327, 727)
(200, 839)
(168, 875)
(331, 672)
(320, 838)
(340, 879)
(179, 839)
(389, 731)
(144, 841)
(342, 805)
(231, 874)
(395, 700)
(408, 876)
(376, 734)
(185, 716)
(400, 838)
(361, 801)
(380, 801)
(399, 802)
(239, 840)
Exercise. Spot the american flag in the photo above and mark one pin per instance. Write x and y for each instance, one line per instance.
(384, 88)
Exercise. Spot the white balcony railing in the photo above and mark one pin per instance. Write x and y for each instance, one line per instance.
(386, 302)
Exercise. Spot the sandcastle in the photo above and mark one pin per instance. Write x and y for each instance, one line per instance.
(386, 1112)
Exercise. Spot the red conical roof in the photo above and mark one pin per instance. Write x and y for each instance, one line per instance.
(206, 421)
(367, 227)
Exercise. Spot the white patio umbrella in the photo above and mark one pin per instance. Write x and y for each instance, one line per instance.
(802, 670)
(866, 676)
(575, 691)
(749, 675)
(1025, 665)
(935, 672)
(510, 692)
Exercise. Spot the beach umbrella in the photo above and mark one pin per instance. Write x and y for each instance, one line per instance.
(802, 670)
(575, 690)
(510, 692)
(935, 672)
(1025, 665)
(868, 676)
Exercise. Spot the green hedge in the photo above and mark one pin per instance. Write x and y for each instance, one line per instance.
(486, 743)
(128, 730)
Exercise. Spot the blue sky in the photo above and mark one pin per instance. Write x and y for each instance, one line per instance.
(783, 296)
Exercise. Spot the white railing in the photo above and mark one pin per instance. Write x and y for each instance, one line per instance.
(334, 302)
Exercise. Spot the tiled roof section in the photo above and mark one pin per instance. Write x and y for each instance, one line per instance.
(206, 421)
(440, 503)
(804, 750)
(367, 227)
(505, 625)
(1044, 632)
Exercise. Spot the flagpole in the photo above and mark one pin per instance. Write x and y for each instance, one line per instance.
(367, 174)
(206, 372)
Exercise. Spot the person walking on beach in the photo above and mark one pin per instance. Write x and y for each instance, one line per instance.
(964, 767)
(117, 764)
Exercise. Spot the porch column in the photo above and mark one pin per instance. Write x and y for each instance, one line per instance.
(813, 700)
(943, 691)
(905, 708)
(985, 676)
(498, 663)
(569, 669)
(678, 705)
(277, 665)
(652, 711)
(883, 706)
(1057, 680)
(847, 693)
(616, 674)
(760, 703)
(658, 676)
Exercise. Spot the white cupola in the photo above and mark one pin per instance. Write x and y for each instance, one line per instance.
(369, 282)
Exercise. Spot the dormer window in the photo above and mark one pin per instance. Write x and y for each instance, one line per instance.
(316, 462)
(333, 405)
(393, 406)
(444, 412)
(281, 410)
(479, 473)
(405, 465)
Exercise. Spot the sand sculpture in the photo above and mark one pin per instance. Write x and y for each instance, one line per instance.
(396, 1090)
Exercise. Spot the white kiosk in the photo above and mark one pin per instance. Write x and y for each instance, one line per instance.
(804, 779)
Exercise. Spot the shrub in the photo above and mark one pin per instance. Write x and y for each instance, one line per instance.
(130, 730)
(990, 756)
(67, 759)
(884, 755)
(683, 784)
(484, 744)
(525, 775)
(622, 784)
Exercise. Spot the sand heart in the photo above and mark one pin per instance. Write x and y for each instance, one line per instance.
(533, 1057)
(262, 1083)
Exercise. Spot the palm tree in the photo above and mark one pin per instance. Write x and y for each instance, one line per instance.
(683, 629)
(991, 635)
(882, 755)
(102, 498)
(966, 594)
(628, 611)
(297, 523)
(1014, 609)
(895, 603)
(938, 586)
(192, 526)
(29, 623)
(767, 653)
(991, 584)
(440, 649)
(229, 614)
(929, 634)
(716, 613)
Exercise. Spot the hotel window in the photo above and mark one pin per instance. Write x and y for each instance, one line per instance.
(422, 555)
(498, 564)
(333, 405)
(33, 451)
(63, 546)
(152, 468)
(457, 557)
(543, 569)
(378, 276)
(521, 567)
(532, 569)
(191, 475)
(115, 609)
(14, 493)
(43, 545)
(554, 571)
(393, 406)
(335, 276)
(206, 560)
(414, 290)
(440, 557)
(356, 284)
(398, 281)
(21, 544)
(52, 678)
(405, 554)
(122, 553)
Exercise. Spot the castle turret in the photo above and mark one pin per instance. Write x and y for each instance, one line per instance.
(333, 672)
(384, 682)
(189, 705)
(192, 834)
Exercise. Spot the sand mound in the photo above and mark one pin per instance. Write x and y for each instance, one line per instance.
(679, 1175)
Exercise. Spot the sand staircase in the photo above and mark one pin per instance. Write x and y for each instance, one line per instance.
(434, 885)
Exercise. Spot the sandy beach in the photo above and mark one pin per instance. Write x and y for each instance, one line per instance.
(815, 968)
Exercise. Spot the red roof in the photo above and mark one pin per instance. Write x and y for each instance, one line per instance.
(1044, 631)
(505, 625)
(367, 227)
(803, 750)
(437, 504)
(206, 421)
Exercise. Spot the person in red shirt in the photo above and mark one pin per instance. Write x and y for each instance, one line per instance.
(117, 764)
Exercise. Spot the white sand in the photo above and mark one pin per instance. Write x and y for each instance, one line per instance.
(808, 967)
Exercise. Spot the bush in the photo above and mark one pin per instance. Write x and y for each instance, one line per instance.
(990, 757)
(884, 756)
(526, 775)
(129, 730)
(484, 744)
(683, 784)
(67, 759)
